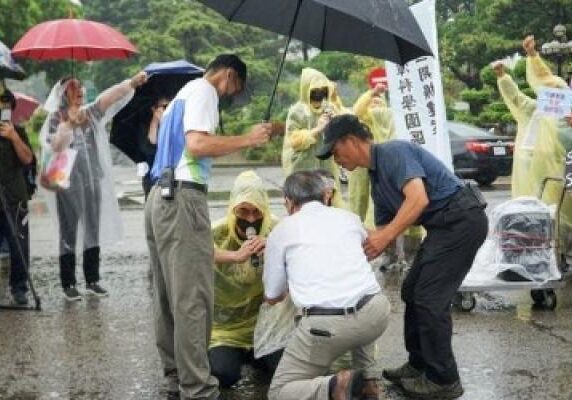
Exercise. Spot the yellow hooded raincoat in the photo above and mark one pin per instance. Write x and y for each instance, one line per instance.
(238, 287)
(522, 108)
(378, 117)
(299, 149)
(550, 139)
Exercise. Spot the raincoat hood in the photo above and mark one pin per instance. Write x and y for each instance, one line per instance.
(248, 188)
(56, 99)
(300, 142)
(238, 286)
(313, 79)
(90, 190)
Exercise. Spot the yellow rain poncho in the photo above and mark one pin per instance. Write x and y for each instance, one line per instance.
(238, 286)
(521, 108)
(537, 151)
(550, 139)
(300, 145)
(378, 117)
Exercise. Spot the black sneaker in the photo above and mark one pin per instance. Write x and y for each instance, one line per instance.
(422, 388)
(406, 371)
(94, 289)
(72, 294)
(19, 298)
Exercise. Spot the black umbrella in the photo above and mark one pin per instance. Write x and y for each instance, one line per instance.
(378, 28)
(129, 126)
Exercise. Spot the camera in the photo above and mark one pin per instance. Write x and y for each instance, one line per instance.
(167, 183)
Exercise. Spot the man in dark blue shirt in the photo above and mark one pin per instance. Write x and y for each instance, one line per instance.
(410, 186)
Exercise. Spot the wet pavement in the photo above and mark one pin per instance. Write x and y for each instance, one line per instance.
(104, 349)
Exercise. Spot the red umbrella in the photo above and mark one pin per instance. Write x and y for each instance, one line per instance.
(73, 39)
(25, 107)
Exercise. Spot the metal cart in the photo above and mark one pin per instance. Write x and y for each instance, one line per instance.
(542, 294)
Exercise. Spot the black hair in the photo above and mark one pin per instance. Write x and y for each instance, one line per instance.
(346, 125)
(65, 79)
(8, 97)
(228, 61)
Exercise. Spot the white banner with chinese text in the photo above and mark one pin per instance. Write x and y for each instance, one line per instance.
(416, 93)
(555, 103)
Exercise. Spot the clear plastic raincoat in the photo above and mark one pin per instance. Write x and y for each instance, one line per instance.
(299, 149)
(378, 117)
(90, 200)
(238, 287)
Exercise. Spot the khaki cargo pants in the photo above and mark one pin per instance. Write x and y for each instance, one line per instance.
(181, 254)
(308, 356)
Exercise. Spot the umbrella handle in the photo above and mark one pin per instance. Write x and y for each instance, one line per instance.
(292, 25)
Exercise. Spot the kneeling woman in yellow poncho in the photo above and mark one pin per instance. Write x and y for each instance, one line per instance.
(238, 283)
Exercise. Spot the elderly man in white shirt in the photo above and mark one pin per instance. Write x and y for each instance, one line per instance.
(316, 254)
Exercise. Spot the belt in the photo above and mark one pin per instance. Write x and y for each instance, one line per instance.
(191, 185)
(337, 311)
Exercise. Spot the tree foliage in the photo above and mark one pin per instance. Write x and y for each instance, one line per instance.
(17, 17)
(472, 33)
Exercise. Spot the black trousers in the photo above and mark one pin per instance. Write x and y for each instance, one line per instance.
(454, 234)
(90, 267)
(226, 363)
(19, 216)
(81, 203)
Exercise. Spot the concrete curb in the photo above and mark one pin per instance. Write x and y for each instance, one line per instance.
(135, 200)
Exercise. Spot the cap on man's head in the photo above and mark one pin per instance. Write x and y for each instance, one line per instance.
(338, 128)
(229, 61)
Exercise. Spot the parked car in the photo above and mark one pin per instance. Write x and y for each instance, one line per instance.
(478, 154)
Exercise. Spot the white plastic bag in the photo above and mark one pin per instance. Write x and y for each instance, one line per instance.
(274, 327)
(56, 168)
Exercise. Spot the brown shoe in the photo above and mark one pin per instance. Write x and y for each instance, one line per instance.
(370, 390)
(348, 384)
(422, 388)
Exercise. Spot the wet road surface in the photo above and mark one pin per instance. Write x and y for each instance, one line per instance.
(104, 349)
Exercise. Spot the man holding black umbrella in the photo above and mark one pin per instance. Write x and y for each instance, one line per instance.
(178, 226)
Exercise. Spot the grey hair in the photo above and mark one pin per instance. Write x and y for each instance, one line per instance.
(303, 187)
(328, 177)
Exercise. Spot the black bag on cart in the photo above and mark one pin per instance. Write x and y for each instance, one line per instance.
(525, 239)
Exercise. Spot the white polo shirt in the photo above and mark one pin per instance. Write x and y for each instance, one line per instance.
(198, 100)
(317, 255)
